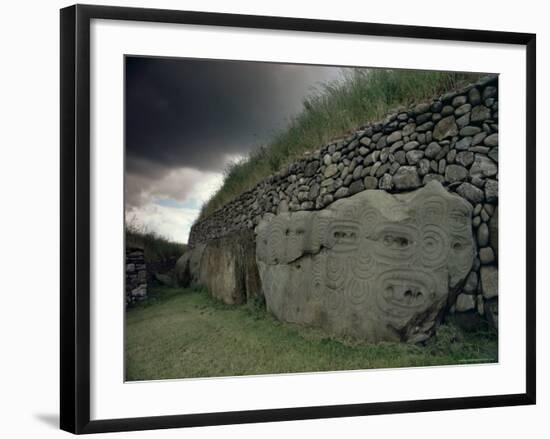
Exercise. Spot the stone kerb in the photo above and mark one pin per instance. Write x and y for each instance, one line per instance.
(452, 139)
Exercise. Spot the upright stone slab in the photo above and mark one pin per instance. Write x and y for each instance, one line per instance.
(375, 266)
(220, 271)
(225, 266)
(187, 269)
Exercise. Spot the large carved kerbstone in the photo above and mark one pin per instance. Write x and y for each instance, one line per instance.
(375, 265)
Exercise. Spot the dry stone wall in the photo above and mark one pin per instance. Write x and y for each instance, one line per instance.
(136, 275)
(452, 139)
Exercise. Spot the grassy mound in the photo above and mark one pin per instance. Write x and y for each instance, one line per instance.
(334, 110)
(156, 248)
(181, 333)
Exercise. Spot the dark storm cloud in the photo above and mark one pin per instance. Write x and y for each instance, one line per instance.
(186, 118)
(194, 113)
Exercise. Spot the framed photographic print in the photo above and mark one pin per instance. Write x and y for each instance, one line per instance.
(272, 218)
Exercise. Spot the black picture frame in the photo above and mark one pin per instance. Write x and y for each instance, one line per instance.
(75, 217)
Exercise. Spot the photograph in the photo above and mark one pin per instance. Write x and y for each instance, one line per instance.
(271, 220)
(288, 218)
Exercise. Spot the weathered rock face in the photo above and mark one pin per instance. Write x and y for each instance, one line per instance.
(225, 266)
(375, 265)
(220, 271)
(187, 269)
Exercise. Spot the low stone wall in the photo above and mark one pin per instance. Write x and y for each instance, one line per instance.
(452, 139)
(136, 275)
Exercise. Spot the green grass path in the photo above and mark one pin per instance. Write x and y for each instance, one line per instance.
(184, 333)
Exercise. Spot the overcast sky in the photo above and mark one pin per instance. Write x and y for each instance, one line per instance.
(186, 119)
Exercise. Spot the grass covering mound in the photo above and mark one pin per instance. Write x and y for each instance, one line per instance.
(183, 333)
(334, 110)
(156, 248)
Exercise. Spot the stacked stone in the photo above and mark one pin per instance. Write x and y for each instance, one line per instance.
(136, 275)
(452, 139)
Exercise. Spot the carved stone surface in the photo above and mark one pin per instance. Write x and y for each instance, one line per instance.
(374, 266)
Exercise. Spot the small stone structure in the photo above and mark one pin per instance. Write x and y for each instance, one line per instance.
(452, 139)
(136, 275)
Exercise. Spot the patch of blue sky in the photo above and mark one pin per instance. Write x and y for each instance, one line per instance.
(190, 203)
